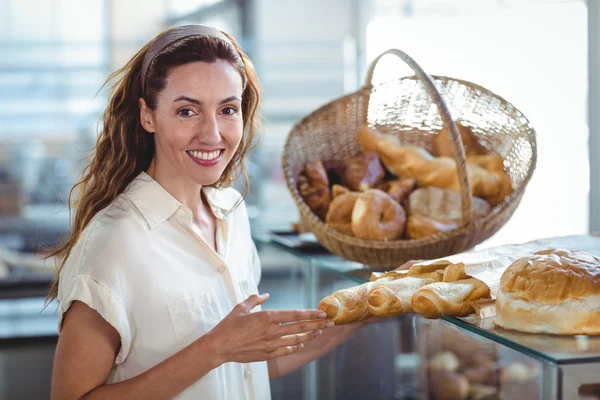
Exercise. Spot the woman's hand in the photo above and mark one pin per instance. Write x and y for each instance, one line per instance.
(245, 336)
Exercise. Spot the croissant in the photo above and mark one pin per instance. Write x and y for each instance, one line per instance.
(449, 298)
(398, 189)
(362, 172)
(388, 299)
(494, 164)
(415, 162)
(346, 305)
(313, 186)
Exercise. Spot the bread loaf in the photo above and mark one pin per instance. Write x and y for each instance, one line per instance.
(552, 291)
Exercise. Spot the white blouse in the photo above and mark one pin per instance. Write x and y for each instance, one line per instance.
(141, 264)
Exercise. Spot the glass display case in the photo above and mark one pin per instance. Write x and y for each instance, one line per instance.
(449, 358)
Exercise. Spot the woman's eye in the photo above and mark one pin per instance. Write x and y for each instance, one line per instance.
(185, 112)
(229, 111)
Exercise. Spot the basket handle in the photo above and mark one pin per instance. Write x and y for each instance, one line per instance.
(459, 150)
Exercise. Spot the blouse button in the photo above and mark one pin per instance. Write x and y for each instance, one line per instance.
(247, 374)
(221, 269)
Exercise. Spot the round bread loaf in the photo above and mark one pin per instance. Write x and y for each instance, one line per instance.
(553, 291)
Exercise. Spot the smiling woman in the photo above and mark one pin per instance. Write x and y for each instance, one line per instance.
(158, 281)
(197, 131)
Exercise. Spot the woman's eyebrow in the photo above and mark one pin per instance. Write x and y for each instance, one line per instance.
(198, 102)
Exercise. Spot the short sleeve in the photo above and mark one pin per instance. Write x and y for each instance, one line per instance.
(102, 299)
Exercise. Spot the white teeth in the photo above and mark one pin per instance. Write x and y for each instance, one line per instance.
(205, 156)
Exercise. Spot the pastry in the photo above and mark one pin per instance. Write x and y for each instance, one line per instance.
(418, 227)
(339, 216)
(376, 216)
(495, 165)
(388, 299)
(313, 186)
(362, 172)
(449, 298)
(443, 205)
(398, 189)
(416, 162)
(346, 305)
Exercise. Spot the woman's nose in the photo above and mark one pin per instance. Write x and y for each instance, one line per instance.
(208, 131)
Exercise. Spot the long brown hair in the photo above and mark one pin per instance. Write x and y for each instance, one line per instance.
(124, 148)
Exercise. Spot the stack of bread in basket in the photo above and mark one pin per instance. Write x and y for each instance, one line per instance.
(393, 191)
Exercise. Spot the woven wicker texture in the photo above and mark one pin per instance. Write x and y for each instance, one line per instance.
(414, 109)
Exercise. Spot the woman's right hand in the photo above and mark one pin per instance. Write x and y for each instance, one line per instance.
(245, 336)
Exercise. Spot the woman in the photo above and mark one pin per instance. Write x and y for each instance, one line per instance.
(158, 281)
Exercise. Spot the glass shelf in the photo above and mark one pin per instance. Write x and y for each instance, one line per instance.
(552, 348)
(568, 349)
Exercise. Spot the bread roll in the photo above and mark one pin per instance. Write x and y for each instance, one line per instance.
(418, 227)
(346, 305)
(449, 298)
(388, 299)
(443, 205)
(553, 291)
(449, 386)
(483, 392)
(444, 361)
(483, 373)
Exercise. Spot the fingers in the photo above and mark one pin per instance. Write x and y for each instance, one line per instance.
(296, 315)
(252, 302)
(291, 340)
(301, 326)
(284, 351)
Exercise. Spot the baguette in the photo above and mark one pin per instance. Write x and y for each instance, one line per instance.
(388, 299)
(449, 298)
(346, 305)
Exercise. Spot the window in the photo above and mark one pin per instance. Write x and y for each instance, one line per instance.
(532, 53)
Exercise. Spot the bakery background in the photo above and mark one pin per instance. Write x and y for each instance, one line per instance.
(541, 55)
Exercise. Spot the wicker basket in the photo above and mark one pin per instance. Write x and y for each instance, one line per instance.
(414, 108)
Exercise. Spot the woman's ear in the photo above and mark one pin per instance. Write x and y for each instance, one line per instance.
(146, 116)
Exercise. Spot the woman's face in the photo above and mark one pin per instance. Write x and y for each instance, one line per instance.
(197, 122)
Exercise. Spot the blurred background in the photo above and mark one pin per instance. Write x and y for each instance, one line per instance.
(541, 55)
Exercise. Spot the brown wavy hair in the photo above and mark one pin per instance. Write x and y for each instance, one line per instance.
(124, 148)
